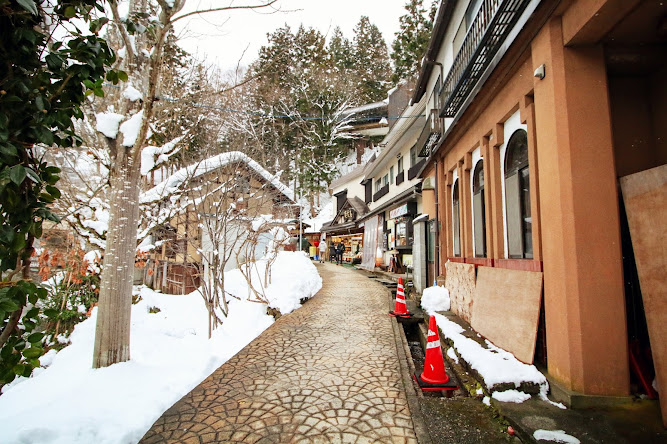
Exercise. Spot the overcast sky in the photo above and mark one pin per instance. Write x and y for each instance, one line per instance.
(221, 38)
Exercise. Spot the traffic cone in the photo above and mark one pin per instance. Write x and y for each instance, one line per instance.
(434, 376)
(400, 309)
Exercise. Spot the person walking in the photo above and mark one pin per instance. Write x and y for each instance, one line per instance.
(323, 251)
(340, 249)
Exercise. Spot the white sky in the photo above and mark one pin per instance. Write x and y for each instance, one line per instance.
(221, 38)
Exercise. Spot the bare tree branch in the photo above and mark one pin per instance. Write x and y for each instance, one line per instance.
(223, 8)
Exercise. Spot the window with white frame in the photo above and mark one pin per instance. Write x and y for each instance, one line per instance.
(391, 174)
(517, 197)
(479, 210)
(400, 165)
(456, 219)
(385, 180)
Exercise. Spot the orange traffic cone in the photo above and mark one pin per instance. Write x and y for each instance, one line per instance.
(400, 309)
(434, 376)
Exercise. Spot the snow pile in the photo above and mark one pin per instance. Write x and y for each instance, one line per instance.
(130, 128)
(107, 124)
(495, 365)
(435, 299)
(511, 396)
(293, 277)
(555, 436)
(171, 354)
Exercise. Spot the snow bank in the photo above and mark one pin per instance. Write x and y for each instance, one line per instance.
(69, 402)
(495, 365)
(511, 396)
(435, 299)
(293, 277)
(554, 436)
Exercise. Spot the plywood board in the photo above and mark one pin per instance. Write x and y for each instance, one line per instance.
(460, 281)
(645, 199)
(507, 309)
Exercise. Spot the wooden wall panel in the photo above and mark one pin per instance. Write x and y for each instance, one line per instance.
(460, 281)
(645, 199)
(507, 309)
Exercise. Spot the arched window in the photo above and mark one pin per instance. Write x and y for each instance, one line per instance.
(479, 211)
(456, 219)
(517, 197)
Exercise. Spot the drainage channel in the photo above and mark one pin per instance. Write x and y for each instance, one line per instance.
(450, 416)
(415, 338)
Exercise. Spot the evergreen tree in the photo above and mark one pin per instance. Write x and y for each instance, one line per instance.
(340, 51)
(412, 40)
(371, 60)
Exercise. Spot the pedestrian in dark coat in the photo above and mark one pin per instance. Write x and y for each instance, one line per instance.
(340, 249)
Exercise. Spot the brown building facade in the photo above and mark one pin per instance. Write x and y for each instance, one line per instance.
(546, 105)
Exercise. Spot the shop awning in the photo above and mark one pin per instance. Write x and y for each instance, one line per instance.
(403, 197)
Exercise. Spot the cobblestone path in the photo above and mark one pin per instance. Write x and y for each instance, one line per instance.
(328, 372)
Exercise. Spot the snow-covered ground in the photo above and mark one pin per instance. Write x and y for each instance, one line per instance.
(69, 402)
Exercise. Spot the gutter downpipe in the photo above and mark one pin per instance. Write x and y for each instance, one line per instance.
(437, 225)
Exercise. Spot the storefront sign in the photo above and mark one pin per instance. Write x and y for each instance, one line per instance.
(398, 212)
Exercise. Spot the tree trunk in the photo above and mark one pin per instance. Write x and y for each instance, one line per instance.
(112, 337)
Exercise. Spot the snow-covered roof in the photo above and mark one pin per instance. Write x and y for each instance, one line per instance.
(173, 182)
(355, 173)
(367, 107)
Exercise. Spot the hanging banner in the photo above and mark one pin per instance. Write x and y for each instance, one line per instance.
(370, 244)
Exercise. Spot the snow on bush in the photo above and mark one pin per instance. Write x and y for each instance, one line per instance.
(170, 355)
(107, 124)
(511, 396)
(435, 299)
(131, 93)
(130, 128)
(555, 436)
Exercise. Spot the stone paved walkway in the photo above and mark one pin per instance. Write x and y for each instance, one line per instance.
(328, 372)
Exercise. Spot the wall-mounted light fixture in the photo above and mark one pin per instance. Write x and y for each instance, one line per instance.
(540, 72)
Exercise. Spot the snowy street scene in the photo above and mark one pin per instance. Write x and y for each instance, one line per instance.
(299, 221)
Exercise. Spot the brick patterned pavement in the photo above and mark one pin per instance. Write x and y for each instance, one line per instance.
(328, 372)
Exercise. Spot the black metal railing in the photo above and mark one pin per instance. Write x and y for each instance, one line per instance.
(400, 177)
(430, 135)
(381, 192)
(488, 31)
(414, 169)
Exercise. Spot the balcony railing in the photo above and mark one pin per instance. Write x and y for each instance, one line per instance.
(488, 31)
(381, 192)
(414, 169)
(400, 177)
(430, 135)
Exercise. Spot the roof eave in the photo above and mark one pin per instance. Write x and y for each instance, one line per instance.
(437, 37)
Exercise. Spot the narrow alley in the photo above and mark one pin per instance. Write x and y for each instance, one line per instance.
(329, 372)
